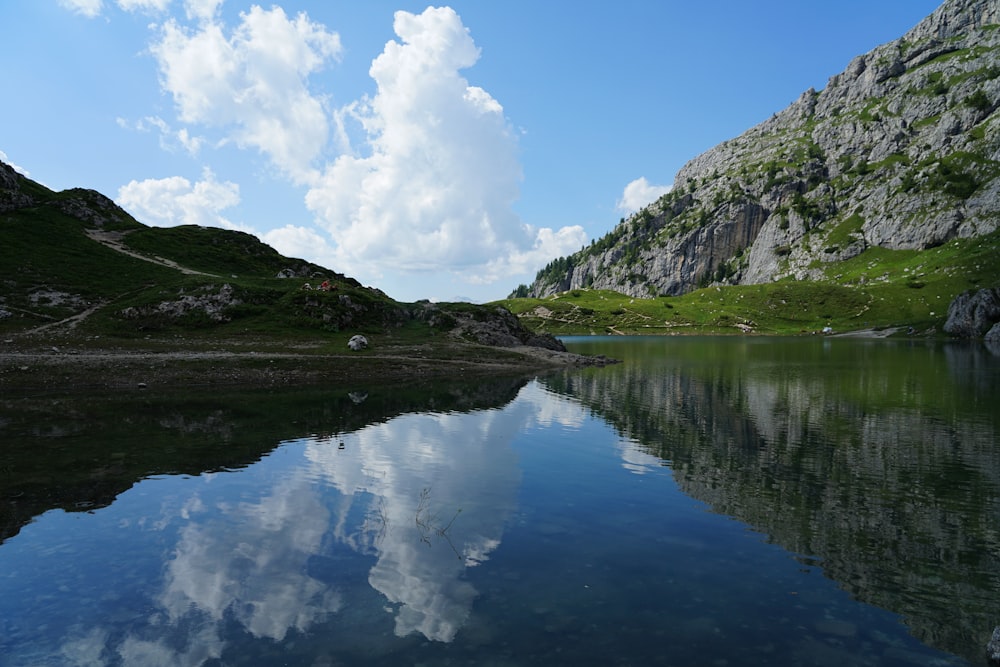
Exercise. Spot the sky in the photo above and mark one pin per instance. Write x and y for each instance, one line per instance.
(435, 152)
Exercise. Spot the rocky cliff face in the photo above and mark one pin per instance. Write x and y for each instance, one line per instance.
(900, 150)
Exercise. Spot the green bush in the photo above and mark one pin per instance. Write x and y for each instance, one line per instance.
(978, 101)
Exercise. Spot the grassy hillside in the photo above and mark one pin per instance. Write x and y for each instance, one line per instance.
(73, 263)
(879, 288)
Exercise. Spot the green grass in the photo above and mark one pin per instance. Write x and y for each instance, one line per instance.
(215, 251)
(877, 289)
(51, 269)
(844, 233)
(783, 308)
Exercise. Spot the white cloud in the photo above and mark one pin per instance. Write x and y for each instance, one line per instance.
(144, 5)
(253, 83)
(204, 10)
(20, 170)
(93, 8)
(170, 140)
(434, 185)
(639, 193)
(302, 242)
(427, 186)
(547, 245)
(88, 8)
(166, 202)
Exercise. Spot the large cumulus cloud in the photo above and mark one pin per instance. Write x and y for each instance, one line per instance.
(434, 181)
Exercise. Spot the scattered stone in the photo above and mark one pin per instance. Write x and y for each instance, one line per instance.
(357, 342)
(141, 385)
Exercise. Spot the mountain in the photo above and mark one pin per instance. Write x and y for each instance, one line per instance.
(900, 152)
(74, 263)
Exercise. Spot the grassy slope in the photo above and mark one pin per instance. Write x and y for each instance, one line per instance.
(879, 288)
(51, 270)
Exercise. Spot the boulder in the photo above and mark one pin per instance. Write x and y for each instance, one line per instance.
(357, 342)
(972, 313)
(993, 647)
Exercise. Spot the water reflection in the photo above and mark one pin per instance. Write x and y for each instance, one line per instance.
(879, 458)
(98, 446)
(435, 491)
(273, 551)
(559, 521)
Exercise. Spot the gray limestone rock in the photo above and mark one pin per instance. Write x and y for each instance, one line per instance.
(973, 313)
(993, 647)
(897, 151)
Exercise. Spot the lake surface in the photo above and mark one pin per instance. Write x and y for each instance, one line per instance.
(709, 501)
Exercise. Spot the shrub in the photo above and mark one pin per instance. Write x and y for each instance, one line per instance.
(978, 101)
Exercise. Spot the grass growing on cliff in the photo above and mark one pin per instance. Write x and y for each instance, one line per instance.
(879, 288)
(785, 308)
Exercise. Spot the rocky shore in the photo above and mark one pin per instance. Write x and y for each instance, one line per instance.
(32, 366)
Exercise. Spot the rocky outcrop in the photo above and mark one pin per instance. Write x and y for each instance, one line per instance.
(900, 150)
(974, 314)
(93, 208)
(496, 327)
(209, 302)
(12, 196)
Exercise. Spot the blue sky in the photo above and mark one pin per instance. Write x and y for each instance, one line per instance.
(438, 152)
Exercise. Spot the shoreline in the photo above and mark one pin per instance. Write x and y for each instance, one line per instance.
(51, 368)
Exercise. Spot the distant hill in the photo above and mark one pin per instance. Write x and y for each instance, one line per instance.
(856, 186)
(75, 260)
(74, 263)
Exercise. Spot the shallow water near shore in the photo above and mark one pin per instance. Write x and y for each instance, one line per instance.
(709, 501)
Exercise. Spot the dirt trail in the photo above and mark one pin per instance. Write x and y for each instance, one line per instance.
(70, 322)
(113, 240)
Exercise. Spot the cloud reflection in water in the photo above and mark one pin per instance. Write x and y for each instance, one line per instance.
(425, 496)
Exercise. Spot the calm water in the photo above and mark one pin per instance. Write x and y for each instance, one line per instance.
(710, 501)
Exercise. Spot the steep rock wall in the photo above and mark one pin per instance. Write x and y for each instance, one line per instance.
(900, 150)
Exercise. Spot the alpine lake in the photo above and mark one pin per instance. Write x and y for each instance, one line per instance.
(710, 501)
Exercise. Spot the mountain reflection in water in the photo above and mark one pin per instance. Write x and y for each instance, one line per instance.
(879, 459)
(557, 521)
